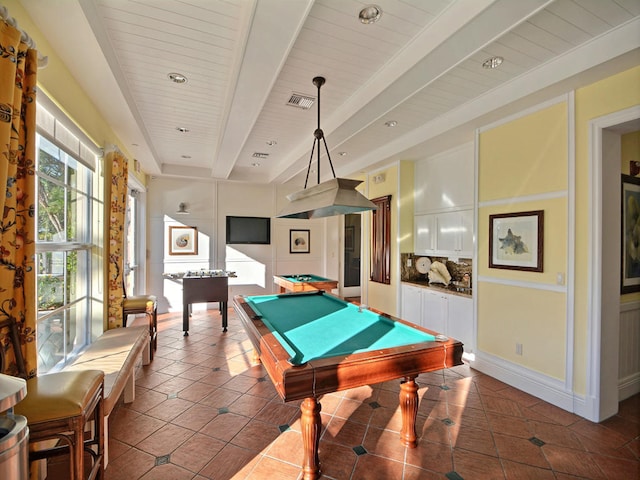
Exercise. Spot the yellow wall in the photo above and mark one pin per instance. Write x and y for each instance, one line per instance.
(610, 95)
(533, 318)
(630, 146)
(381, 296)
(527, 156)
(524, 157)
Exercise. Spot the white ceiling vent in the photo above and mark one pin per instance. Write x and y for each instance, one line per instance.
(301, 101)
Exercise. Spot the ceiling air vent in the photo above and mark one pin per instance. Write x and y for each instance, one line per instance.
(260, 155)
(301, 101)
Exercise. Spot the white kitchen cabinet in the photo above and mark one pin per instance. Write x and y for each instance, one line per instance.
(446, 234)
(442, 312)
(434, 310)
(412, 304)
(445, 181)
(425, 236)
(455, 233)
(460, 320)
(466, 235)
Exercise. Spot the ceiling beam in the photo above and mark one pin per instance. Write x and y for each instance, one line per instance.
(276, 25)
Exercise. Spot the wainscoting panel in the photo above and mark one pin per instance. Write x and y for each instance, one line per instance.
(629, 359)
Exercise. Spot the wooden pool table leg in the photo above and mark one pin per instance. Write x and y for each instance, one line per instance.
(409, 410)
(310, 425)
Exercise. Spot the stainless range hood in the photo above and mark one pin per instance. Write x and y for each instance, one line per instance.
(337, 196)
(333, 197)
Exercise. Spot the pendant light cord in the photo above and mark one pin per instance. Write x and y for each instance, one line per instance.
(318, 134)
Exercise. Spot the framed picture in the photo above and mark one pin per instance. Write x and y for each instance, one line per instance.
(299, 241)
(516, 241)
(630, 235)
(183, 240)
(349, 238)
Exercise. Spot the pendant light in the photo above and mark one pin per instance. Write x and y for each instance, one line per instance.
(337, 196)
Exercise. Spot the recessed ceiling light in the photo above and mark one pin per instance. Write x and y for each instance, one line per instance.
(342, 154)
(185, 156)
(271, 143)
(391, 123)
(182, 129)
(493, 62)
(255, 164)
(370, 14)
(135, 145)
(177, 77)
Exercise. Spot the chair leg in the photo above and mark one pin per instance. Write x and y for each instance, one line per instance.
(153, 332)
(155, 328)
(78, 449)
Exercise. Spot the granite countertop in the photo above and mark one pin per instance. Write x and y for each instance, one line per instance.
(452, 289)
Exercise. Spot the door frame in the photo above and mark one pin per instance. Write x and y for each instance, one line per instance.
(349, 291)
(602, 343)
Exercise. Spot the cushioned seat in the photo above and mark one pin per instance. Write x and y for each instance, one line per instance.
(58, 408)
(147, 304)
(115, 353)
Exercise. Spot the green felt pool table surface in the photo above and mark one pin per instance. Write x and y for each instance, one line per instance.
(305, 278)
(313, 326)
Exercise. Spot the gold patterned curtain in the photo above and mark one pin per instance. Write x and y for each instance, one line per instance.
(117, 163)
(18, 69)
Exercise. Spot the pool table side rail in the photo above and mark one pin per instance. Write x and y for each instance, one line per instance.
(272, 354)
(295, 382)
(286, 284)
(384, 365)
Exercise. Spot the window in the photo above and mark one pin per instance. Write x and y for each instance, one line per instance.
(64, 243)
(381, 241)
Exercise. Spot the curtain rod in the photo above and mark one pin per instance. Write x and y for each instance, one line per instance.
(4, 14)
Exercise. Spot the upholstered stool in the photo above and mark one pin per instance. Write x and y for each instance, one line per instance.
(147, 304)
(58, 408)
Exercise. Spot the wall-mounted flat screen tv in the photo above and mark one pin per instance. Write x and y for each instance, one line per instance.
(255, 230)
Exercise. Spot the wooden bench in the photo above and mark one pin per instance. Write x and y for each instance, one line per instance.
(116, 353)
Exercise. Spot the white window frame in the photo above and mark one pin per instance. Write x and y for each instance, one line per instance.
(85, 310)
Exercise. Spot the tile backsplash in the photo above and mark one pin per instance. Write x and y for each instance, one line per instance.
(456, 269)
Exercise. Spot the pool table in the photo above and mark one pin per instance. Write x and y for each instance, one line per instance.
(313, 343)
(303, 283)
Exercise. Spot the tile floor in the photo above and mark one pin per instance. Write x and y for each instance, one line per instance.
(202, 411)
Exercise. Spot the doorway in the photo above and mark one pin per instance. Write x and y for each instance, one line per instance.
(604, 331)
(352, 256)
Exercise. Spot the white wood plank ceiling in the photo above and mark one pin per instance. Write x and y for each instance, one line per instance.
(420, 65)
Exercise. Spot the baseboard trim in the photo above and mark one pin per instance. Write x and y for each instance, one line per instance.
(546, 388)
(629, 386)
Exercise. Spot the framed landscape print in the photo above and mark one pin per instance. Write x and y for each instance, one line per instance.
(630, 235)
(516, 241)
(183, 240)
(299, 241)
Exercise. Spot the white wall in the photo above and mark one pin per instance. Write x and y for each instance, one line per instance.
(209, 202)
